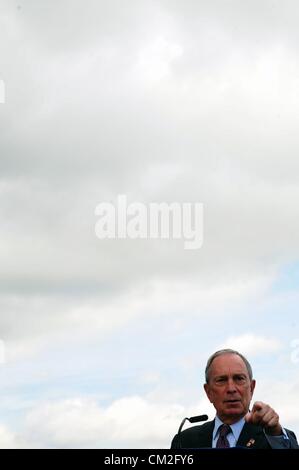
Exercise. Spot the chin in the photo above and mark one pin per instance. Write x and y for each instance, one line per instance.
(235, 411)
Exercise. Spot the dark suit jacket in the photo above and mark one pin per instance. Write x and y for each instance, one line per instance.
(198, 437)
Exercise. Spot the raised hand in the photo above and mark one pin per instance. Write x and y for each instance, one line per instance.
(266, 417)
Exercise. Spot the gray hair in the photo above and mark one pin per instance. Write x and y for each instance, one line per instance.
(227, 351)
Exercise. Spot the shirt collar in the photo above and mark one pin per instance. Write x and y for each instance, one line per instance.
(236, 427)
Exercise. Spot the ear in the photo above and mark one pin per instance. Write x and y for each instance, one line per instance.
(252, 386)
(208, 391)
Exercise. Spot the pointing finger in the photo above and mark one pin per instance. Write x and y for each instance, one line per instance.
(257, 406)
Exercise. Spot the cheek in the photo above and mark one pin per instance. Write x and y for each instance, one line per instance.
(248, 394)
(211, 396)
(216, 398)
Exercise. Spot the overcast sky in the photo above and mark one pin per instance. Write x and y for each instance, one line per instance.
(163, 101)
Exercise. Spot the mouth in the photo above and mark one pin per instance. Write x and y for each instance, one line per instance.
(232, 402)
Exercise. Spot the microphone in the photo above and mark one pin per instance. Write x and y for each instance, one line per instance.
(196, 419)
(193, 419)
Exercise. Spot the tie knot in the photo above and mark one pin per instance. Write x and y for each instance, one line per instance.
(224, 430)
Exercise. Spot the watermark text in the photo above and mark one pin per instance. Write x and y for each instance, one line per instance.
(151, 221)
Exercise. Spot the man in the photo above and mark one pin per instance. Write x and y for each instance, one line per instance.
(230, 386)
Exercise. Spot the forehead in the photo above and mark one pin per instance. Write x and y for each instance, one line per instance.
(228, 364)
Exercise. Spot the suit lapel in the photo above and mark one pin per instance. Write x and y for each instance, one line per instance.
(252, 436)
(205, 435)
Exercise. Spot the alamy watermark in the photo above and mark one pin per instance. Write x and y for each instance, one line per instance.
(2, 92)
(151, 221)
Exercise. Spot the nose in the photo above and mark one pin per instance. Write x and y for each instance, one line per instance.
(231, 386)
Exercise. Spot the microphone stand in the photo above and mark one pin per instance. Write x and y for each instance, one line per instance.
(193, 419)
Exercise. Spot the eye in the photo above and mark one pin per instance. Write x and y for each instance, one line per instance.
(240, 379)
(220, 380)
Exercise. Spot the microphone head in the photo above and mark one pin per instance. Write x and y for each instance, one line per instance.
(197, 419)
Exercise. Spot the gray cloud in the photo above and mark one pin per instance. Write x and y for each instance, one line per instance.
(162, 101)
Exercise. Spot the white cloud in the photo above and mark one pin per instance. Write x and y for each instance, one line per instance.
(133, 421)
(252, 345)
(127, 422)
(9, 440)
(75, 318)
(156, 58)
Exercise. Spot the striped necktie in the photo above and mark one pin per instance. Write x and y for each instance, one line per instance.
(222, 442)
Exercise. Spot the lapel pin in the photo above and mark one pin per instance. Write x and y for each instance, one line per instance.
(250, 442)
